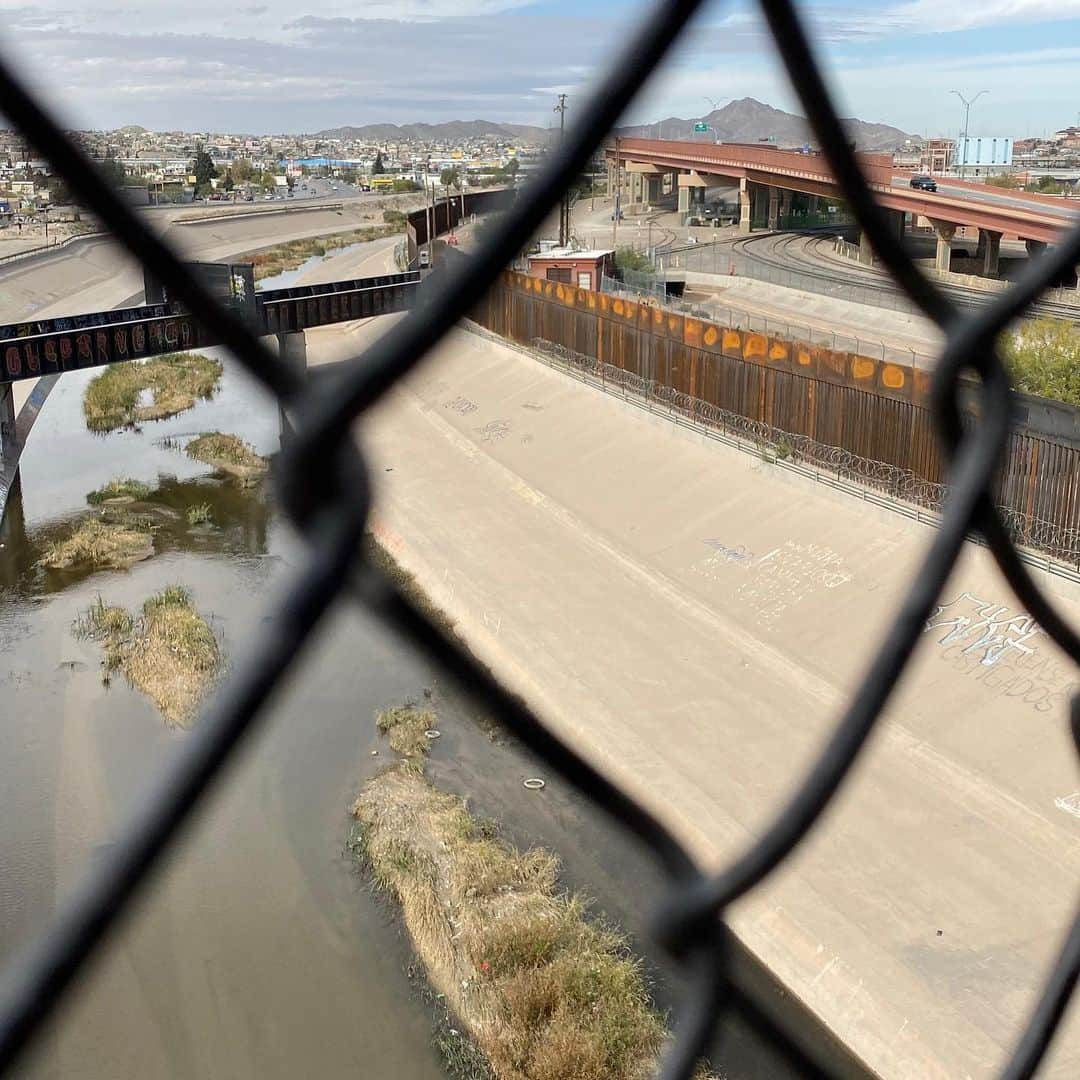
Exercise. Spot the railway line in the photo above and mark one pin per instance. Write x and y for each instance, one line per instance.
(796, 260)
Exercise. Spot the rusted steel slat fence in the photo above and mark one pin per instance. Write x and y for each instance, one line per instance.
(874, 410)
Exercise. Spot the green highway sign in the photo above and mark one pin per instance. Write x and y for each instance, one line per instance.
(701, 127)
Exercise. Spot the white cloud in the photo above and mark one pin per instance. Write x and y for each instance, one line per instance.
(951, 16)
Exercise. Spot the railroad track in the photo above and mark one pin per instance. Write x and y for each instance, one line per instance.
(794, 253)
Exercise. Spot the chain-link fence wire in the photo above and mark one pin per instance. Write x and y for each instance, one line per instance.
(324, 489)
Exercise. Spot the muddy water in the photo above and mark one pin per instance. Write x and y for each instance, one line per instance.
(260, 952)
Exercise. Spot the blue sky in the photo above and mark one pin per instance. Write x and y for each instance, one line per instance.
(301, 65)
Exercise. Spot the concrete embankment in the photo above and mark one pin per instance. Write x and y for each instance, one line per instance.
(693, 619)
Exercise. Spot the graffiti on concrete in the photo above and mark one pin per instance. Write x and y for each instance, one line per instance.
(776, 581)
(986, 629)
(493, 431)
(790, 573)
(461, 405)
(731, 554)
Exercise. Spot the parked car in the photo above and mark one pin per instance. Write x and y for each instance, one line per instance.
(924, 183)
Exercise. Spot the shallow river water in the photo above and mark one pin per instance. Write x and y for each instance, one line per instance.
(259, 951)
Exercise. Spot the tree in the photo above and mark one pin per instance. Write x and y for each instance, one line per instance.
(377, 167)
(1047, 185)
(204, 169)
(1003, 180)
(626, 258)
(450, 178)
(1043, 358)
(242, 170)
(229, 183)
(111, 169)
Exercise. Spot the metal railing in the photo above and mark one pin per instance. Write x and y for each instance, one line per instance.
(325, 490)
(1059, 542)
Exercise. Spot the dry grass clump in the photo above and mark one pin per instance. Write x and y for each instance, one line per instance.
(199, 514)
(169, 651)
(546, 992)
(100, 544)
(120, 490)
(293, 253)
(175, 381)
(228, 454)
(405, 725)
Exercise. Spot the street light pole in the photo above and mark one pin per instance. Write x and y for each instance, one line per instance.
(967, 114)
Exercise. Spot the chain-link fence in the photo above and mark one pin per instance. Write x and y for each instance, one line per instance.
(324, 488)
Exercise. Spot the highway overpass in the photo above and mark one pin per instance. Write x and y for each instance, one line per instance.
(770, 175)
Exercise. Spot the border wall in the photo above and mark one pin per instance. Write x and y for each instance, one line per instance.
(874, 410)
(448, 215)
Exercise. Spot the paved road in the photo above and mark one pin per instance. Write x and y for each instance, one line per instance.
(693, 619)
(995, 196)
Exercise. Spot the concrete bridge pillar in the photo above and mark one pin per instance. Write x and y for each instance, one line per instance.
(866, 250)
(8, 443)
(684, 200)
(898, 221)
(945, 232)
(988, 250)
(785, 205)
(774, 209)
(292, 350)
(744, 206)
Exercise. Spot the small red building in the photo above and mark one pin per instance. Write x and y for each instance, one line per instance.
(581, 268)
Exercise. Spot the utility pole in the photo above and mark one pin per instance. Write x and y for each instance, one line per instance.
(616, 205)
(564, 204)
(967, 114)
(429, 206)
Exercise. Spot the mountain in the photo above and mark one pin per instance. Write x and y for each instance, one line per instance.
(750, 121)
(452, 131)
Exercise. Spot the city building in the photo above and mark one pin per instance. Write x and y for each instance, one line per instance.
(584, 269)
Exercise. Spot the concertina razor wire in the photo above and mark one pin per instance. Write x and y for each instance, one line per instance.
(324, 489)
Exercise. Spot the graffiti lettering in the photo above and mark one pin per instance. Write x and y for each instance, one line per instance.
(736, 554)
(461, 405)
(986, 628)
(493, 431)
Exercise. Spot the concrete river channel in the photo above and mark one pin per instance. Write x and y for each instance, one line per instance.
(261, 950)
